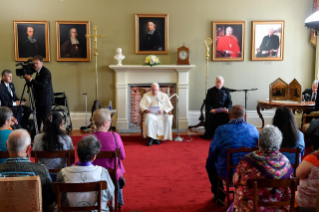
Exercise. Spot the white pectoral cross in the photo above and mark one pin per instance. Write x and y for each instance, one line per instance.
(230, 45)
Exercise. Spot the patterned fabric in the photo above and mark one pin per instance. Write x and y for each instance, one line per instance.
(52, 163)
(246, 171)
(238, 120)
(23, 164)
(232, 135)
(83, 174)
(308, 187)
(14, 189)
(272, 164)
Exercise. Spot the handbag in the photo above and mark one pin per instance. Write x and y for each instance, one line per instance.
(122, 182)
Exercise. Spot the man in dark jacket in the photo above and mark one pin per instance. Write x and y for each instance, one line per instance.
(43, 90)
(153, 40)
(269, 45)
(217, 105)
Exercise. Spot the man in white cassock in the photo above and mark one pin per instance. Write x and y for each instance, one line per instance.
(157, 124)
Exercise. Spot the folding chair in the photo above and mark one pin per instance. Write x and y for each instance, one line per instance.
(61, 104)
(229, 177)
(79, 187)
(273, 183)
(115, 155)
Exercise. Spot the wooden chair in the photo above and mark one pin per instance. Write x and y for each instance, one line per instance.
(229, 178)
(115, 155)
(4, 154)
(79, 187)
(15, 189)
(273, 183)
(68, 154)
(292, 150)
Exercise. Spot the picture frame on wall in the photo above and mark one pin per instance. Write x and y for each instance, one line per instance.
(295, 91)
(278, 90)
(267, 40)
(72, 44)
(31, 38)
(228, 40)
(151, 33)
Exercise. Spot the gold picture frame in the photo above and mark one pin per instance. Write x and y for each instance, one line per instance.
(295, 91)
(31, 38)
(151, 34)
(228, 40)
(278, 90)
(71, 43)
(267, 43)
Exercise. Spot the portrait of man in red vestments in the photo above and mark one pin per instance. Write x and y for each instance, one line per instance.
(229, 40)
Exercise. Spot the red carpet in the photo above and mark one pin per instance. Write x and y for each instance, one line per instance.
(167, 177)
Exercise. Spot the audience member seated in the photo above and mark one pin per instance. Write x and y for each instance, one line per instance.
(19, 145)
(102, 121)
(285, 120)
(313, 133)
(5, 121)
(267, 162)
(235, 134)
(308, 173)
(83, 172)
(53, 139)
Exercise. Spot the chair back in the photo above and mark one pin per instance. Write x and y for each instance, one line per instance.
(230, 152)
(79, 187)
(292, 150)
(255, 184)
(4, 154)
(113, 172)
(68, 154)
(15, 189)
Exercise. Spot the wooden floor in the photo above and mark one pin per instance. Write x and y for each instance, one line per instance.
(78, 132)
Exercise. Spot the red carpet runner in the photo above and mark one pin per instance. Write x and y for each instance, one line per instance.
(169, 177)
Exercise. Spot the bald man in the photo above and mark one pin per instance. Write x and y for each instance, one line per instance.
(19, 145)
(156, 125)
(227, 46)
(269, 45)
(30, 46)
(235, 134)
(72, 48)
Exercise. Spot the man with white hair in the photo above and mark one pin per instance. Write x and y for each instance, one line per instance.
(227, 46)
(269, 45)
(153, 40)
(310, 94)
(19, 146)
(217, 105)
(157, 124)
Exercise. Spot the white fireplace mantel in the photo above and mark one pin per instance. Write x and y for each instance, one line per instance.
(142, 74)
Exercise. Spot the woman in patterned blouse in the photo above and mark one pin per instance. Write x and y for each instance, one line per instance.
(267, 162)
(53, 139)
(308, 173)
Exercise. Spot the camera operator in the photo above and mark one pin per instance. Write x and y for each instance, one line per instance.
(10, 99)
(43, 90)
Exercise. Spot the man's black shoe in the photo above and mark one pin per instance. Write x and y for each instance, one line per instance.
(157, 142)
(150, 142)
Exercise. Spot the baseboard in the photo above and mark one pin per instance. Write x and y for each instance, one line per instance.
(78, 118)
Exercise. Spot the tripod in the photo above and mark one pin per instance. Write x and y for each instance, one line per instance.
(32, 105)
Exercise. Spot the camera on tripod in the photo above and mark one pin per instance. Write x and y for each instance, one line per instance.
(27, 68)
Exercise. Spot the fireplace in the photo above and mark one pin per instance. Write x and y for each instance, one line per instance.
(136, 92)
(127, 75)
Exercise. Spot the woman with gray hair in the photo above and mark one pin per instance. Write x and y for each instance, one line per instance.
(267, 162)
(85, 171)
(5, 121)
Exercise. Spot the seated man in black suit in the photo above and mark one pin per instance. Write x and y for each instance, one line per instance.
(10, 99)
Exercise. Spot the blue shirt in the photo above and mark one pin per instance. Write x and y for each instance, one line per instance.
(301, 144)
(235, 134)
(4, 134)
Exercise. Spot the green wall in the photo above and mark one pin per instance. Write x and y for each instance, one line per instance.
(189, 23)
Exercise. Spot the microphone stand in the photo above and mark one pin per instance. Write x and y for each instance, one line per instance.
(178, 138)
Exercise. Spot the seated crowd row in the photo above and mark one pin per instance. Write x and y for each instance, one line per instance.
(53, 138)
(265, 163)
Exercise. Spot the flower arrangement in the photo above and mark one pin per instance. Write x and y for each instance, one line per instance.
(152, 60)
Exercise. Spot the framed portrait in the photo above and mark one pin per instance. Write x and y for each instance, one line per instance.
(31, 38)
(267, 40)
(295, 91)
(151, 34)
(278, 90)
(228, 40)
(72, 45)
